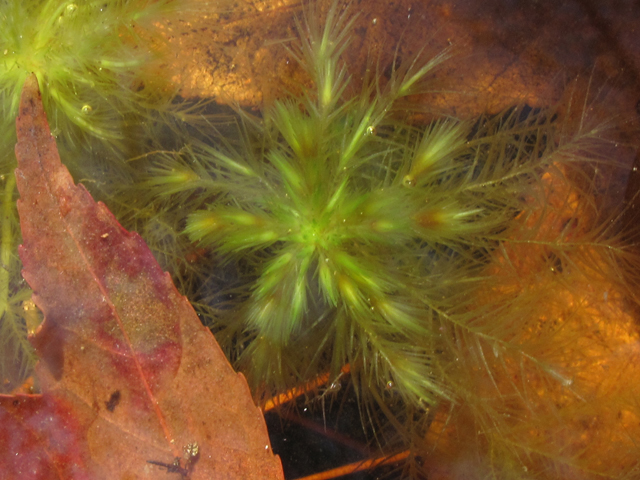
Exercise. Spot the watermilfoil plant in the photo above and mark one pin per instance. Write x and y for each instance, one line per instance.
(357, 238)
(457, 267)
(96, 62)
(17, 314)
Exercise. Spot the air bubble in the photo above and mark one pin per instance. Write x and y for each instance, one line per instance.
(408, 181)
(87, 109)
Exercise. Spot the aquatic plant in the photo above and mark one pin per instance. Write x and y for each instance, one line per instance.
(355, 237)
(97, 62)
(17, 315)
(446, 263)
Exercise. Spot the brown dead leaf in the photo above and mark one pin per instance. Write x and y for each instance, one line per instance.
(128, 373)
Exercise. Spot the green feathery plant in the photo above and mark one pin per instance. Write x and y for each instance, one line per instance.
(441, 262)
(357, 236)
(95, 61)
(16, 354)
(332, 231)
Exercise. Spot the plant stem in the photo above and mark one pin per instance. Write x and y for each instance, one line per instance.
(6, 245)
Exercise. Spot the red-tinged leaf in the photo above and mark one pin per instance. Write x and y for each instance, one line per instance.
(128, 373)
(47, 429)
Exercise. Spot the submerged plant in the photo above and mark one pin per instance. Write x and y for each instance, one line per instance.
(97, 62)
(333, 231)
(17, 314)
(359, 238)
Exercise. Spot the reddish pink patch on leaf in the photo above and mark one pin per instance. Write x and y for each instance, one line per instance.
(127, 371)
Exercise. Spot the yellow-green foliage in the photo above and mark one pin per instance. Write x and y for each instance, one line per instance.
(16, 354)
(447, 264)
(89, 56)
(356, 237)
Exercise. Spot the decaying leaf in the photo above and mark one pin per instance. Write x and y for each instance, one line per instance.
(134, 387)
